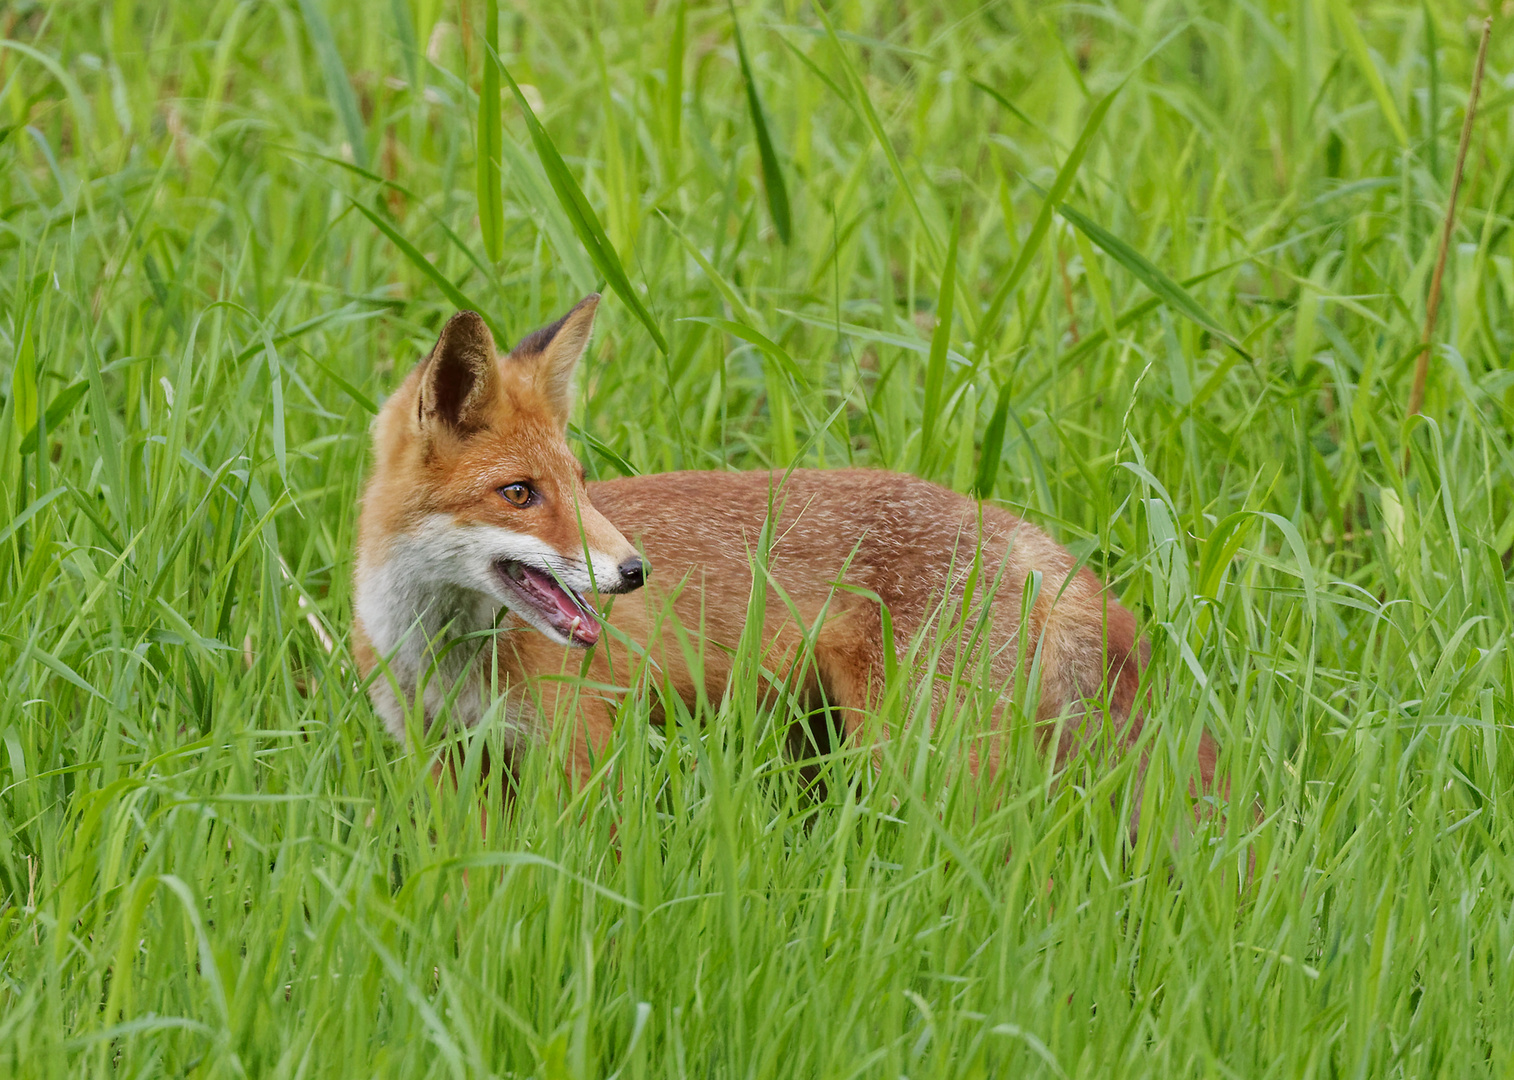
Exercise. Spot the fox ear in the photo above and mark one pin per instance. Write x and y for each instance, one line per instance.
(554, 352)
(460, 375)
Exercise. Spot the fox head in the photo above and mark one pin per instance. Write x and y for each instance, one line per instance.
(476, 495)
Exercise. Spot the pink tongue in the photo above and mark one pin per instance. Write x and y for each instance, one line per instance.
(587, 631)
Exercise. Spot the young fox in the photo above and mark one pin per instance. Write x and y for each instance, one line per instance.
(484, 560)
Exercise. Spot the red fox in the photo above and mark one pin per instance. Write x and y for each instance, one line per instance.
(477, 518)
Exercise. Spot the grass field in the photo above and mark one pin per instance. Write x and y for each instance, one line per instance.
(228, 229)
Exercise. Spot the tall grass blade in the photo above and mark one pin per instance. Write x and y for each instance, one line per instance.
(875, 125)
(404, 28)
(57, 411)
(766, 345)
(1356, 45)
(935, 365)
(867, 333)
(1008, 106)
(590, 233)
(389, 185)
(993, 446)
(1448, 224)
(604, 450)
(334, 73)
(15, 524)
(280, 431)
(413, 254)
(1172, 294)
(101, 416)
(772, 174)
(727, 290)
(1432, 110)
(1098, 284)
(76, 96)
(674, 76)
(1059, 189)
(59, 668)
(530, 186)
(23, 399)
(1137, 311)
(491, 196)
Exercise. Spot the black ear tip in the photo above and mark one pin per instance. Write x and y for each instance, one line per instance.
(467, 326)
(472, 320)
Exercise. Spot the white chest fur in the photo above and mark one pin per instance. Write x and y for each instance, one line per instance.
(434, 638)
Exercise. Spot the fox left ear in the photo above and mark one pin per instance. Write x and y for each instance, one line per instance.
(459, 377)
(555, 351)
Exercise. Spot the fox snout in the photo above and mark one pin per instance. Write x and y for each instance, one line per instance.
(633, 575)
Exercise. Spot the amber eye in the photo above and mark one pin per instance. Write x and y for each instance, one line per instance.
(519, 495)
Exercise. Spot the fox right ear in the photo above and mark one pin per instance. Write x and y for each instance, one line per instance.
(461, 375)
(552, 352)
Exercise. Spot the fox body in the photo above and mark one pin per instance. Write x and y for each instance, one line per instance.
(485, 560)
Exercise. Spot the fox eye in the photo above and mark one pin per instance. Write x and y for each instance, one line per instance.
(518, 495)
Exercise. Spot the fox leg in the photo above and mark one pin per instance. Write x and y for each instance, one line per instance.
(851, 667)
(1083, 671)
(852, 676)
(1124, 656)
(850, 670)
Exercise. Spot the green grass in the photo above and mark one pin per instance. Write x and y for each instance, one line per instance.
(227, 230)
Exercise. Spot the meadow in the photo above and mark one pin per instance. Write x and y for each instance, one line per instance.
(1152, 273)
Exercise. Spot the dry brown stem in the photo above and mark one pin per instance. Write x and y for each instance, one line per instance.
(1432, 302)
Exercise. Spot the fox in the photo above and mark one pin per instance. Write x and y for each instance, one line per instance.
(486, 562)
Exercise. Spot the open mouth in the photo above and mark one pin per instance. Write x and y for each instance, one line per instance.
(565, 610)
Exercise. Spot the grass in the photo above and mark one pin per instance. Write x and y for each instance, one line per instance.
(227, 229)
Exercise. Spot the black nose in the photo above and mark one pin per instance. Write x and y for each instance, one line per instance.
(633, 573)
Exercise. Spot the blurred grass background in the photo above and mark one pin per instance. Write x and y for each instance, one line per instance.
(227, 229)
